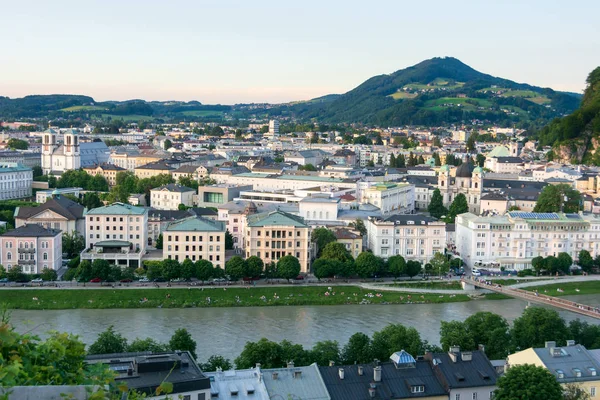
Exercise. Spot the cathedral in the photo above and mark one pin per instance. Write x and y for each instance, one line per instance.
(468, 181)
(70, 154)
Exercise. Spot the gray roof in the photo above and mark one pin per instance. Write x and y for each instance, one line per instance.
(173, 187)
(510, 160)
(464, 373)
(93, 153)
(416, 219)
(297, 383)
(167, 215)
(493, 196)
(568, 359)
(59, 204)
(508, 184)
(32, 230)
(196, 224)
(318, 199)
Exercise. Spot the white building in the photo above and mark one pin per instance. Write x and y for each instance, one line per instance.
(196, 238)
(15, 181)
(513, 239)
(319, 208)
(391, 198)
(58, 158)
(235, 214)
(414, 237)
(169, 197)
(268, 182)
(274, 127)
(505, 165)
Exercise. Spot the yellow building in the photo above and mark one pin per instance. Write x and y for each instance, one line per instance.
(353, 241)
(131, 159)
(153, 169)
(572, 363)
(108, 171)
(275, 234)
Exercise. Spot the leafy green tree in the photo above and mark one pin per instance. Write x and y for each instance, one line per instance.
(359, 225)
(235, 268)
(159, 242)
(323, 268)
(15, 274)
(573, 391)
(322, 237)
(413, 268)
(565, 261)
(288, 267)
(585, 334)
(108, 342)
(491, 330)
(537, 325)
(49, 275)
(171, 269)
(585, 261)
(538, 264)
(84, 271)
(336, 251)
(471, 142)
(394, 337)
(528, 382)
(214, 362)
(115, 273)
(254, 267)
(367, 264)
(72, 243)
(439, 263)
(17, 144)
(228, 240)
(307, 167)
(91, 200)
(357, 350)
(556, 198)
(264, 352)
(37, 171)
(168, 144)
(455, 333)
(324, 352)
(182, 340)
(459, 206)
(294, 352)
(436, 205)
(148, 344)
(188, 269)
(271, 271)
(155, 270)
(480, 160)
(400, 161)
(396, 266)
(204, 270)
(100, 269)
(436, 159)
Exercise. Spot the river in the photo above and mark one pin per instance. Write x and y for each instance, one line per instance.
(225, 331)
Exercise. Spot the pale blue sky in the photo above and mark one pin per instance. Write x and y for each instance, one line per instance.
(254, 50)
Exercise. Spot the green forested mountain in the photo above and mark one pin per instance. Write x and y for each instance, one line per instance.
(438, 91)
(576, 137)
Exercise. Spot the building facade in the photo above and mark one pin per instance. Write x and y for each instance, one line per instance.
(15, 181)
(169, 197)
(32, 247)
(467, 181)
(58, 212)
(108, 171)
(196, 238)
(391, 198)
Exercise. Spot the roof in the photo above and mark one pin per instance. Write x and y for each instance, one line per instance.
(202, 211)
(112, 243)
(499, 151)
(241, 384)
(569, 359)
(157, 165)
(186, 169)
(196, 224)
(319, 199)
(117, 209)
(32, 230)
(465, 372)
(275, 218)
(493, 196)
(510, 160)
(464, 170)
(164, 215)
(411, 219)
(105, 167)
(345, 234)
(296, 383)
(13, 167)
(173, 187)
(61, 205)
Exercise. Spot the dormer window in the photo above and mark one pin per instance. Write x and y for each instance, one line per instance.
(592, 371)
(417, 389)
(560, 373)
(577, 372)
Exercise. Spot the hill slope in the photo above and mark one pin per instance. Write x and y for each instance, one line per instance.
(576, 138)
(436, 91)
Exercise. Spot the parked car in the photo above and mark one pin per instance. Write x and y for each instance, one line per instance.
(300, 278)
(219, 280)
(37, 280)
(144, 280)
(96, 280)
(475, 272)
(4, 280)
(126, 280)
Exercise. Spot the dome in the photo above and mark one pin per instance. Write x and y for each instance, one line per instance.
(55, 192)
(464, 170)
(251, 208)
(478, 170)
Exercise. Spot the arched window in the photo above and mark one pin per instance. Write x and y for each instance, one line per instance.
(45, 256)
(26, 245)
(9, 256)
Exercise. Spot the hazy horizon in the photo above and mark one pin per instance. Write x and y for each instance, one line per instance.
(231, 52)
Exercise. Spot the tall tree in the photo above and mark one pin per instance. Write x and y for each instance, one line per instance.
(322, 237)
(396, 266)
(204, 270)
(254, 267)
(413, 268)
(528, 382)
(288, 267)
(537, 325)
(108, 342)
(400, 161)
(235, 268)
(336, 251)
(439, 263)
(585, 261)
(367, 264)
(557, 198)
(182, 340)
(394, 337)
(358, 349)
(455, 333)
(459, 206)
(480, 160)
(436, 205)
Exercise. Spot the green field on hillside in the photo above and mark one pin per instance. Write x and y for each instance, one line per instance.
(202, 113)
(83, 108)
(403, 95)
(128, 118)
(468, 103)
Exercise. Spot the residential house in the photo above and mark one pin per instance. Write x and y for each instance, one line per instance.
(108, 171)
(32, 247)
(153, 169)
(195, 238)
(353, 241)
(391, 198)
(158, 220)
(59, 213)
(170, 196)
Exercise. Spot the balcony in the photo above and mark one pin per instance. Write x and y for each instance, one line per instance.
(26, 251)
(26, 262)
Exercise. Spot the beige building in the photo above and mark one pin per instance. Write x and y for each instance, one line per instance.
(353, 241)
(275, 234)
(108, 171)
(131, 159)
(58, 212)
(169, 197)
(153, 169)
(196, 238)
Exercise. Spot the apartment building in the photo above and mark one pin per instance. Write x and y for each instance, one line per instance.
(234, 214)
(169, 197)
(108, 171)
(158, 220)
(391, 198)
(15, 181)
(275, 234)
(131, 157)
(117, 233)
(513, 239)
(58, 212)
(414, 237)
(352, 240)
(196, 238)
(153, 169)
(505, 165)
(32, 247)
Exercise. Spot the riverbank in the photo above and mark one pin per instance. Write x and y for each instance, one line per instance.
(58, 299)
(567, 288)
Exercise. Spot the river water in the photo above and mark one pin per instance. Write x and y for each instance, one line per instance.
(225, 331)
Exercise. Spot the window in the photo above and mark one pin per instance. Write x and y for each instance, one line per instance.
(474, 395)
(417, 389)
(457, 396)
(9, 256)
(45, 256)
(592, 391)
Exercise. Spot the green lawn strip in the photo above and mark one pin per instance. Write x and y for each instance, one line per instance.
(448, 285)
(568, 288)
(56, 299)
(514, 281)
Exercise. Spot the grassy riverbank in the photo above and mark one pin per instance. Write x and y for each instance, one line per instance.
(56, 299)
(437, 285)
(568, 288)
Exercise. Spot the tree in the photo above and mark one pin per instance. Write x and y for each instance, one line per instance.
(17, 144)
(565, 261)
(357, 350)
(394, 337)
(100, 269)
(455, 333)
(436, 159)
(254, 267)
(420, 160)
(72, 243)
(214, 362)
(323, 268)
(324, 352)
(459, 206)
(91, 200)
(171, 269)
(439, 263)
(271, 271)
(2, 272)
(307, 167)
(263, 352)
(336, 251)
(400, 161)
(322, 237)
(15, 274)
(528, 382)
(147, 344)
(436, 205)
(491, 330)
(84, 271)
(396, 266)
(182, 340)
(288, 267)
(585, 261)
(367, 264)
(168, 144)
(159, 242)
(235, 268)
(538, 264)
(49, 275)
(228, 240)
(573, 391)
(585, 334)
(188, 269)
(155, 270)
(471, 142)
(359, 225)
(37, 171)
(108, 342)
(557, 198)
(204, 270)
(413, 268)
(537, 325)
(480, 160)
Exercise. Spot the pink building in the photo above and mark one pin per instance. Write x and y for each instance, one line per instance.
(32, 247)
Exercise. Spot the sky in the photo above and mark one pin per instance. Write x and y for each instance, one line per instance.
(230, 52)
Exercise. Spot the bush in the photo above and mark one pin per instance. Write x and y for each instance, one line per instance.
(525, 272)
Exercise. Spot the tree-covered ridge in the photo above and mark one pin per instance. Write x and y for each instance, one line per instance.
(576, 136)
(437, 91)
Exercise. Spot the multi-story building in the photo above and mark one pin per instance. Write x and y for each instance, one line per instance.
(275, 234)
(27, 159)
(195, 238)
(153, 169)
(41, 196)
(71, 154)
(234, 214)
(467, 181)
(32, 247)
(319, 208)
(353, 241)
(505, 165)
(15, 181)
(513, 239)
(391, 198)
(58, 212)
(217, 195)
(274, 127)
(414, 237)
(117, 233)
(158, 220)
(108, 171)
(131, 158)
(169, 197)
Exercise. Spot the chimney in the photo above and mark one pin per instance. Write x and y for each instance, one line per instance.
(257, 365)
(297, 374)
(570, 343)
(454, 349)
(550, 344)
(481, 348)
(377, 373)
(360, 370)
(290, 364)
(275, 375)
(331, 363)
(341, 373)
(466, 356)
(372, 392)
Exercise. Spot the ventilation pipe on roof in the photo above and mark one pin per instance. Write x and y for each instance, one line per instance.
(341, 373)
(360, 370)
(377, 373)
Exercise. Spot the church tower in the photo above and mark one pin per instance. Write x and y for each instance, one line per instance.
(72, 153)
(48, 148)
(444, 183)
